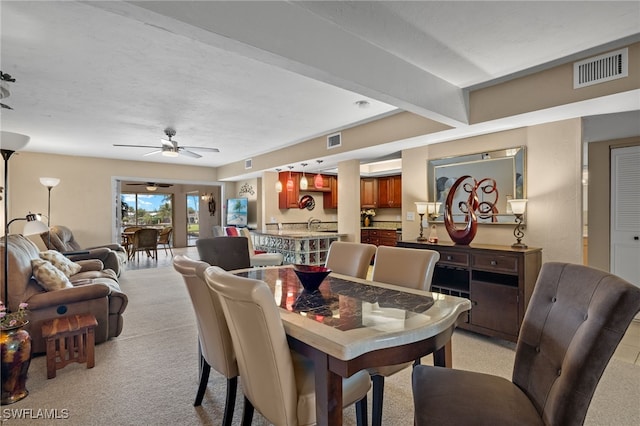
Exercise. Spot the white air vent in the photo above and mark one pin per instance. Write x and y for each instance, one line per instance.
(601, 68)
(334, 141)
(248, 164)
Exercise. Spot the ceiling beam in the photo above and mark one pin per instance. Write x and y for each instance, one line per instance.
(293, 38)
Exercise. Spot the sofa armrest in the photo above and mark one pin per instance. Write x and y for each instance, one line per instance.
(68, 295)
(90, 265)
(114, 247)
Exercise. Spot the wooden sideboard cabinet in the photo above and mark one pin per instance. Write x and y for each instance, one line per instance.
(378, 237)
(497, 279)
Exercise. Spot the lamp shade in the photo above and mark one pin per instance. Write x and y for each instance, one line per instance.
(304, 183)
(318, 181)
(421, 207)
(34, 226)
(49, 182)
(518, 206)
(13, 141)
(434, 208)
(278, 186)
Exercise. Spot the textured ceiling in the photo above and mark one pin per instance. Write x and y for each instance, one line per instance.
(251, 77)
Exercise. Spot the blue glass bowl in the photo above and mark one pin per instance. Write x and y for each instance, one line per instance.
(311, 276)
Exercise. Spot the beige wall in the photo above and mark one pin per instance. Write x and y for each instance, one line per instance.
(83, 199)
(554, 188)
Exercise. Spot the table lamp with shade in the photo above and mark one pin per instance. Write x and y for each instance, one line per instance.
(518, 207)
(421, 209)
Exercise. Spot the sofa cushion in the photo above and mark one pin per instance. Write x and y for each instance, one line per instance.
(48, 276)
(61, 262)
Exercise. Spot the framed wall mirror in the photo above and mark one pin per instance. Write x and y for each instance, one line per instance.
(507, 167)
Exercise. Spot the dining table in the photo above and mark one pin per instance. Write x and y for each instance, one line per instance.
(350, 324)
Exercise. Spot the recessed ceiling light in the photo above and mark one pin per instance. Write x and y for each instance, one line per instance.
(362, 104)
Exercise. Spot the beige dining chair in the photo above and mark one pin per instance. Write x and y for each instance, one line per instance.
(406, 267)
(146, 239)
(279, 383)
(352, 259)
(576, 317)
(260, 258)
(216, 347)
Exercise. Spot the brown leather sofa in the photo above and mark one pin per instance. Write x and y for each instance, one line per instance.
(95, 290)
(112, 255)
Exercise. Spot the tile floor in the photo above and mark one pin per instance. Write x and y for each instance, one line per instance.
(628, 349)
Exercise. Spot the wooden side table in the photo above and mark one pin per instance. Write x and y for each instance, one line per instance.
(69, 339)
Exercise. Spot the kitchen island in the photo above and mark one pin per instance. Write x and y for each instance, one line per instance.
(303, 247)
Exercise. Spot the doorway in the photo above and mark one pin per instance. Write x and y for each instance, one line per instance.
(193, 218)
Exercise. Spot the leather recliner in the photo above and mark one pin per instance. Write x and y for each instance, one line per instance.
(95, 290)
(113, 256)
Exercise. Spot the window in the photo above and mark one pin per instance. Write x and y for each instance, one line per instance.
(144, 209)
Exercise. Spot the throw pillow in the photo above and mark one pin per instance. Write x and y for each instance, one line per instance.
(61, 262)
(48, 276)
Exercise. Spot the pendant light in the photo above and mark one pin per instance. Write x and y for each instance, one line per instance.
(290, 181)
(279, 182)
(304, 183)
(318, 181)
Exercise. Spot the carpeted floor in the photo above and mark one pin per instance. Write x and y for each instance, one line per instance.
(148, 375)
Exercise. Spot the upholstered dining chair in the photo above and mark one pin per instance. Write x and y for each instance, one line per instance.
(279, 383)
(348, 258)
(216, 347)
(164, 238)
(406, 267)
(229, 253)
(576, 317)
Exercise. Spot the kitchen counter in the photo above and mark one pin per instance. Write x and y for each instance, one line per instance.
(303, 247)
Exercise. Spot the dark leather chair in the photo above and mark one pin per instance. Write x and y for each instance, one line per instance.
(229, 253)
(216, 347)
(575, 319)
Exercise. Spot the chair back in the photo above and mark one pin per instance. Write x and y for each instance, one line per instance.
(62, 239)
(218, 231)
(229, 253)
(260, 342)
(145, 238)
(349, 258)
(576, 317)
(164, 236)
(213, 333)
(406, 267)
(244, 232)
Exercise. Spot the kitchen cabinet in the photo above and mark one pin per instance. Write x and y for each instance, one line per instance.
(330, 199)
(369, 193)
(378, 237)
(498, 280)
(289, 199)
(390, 192)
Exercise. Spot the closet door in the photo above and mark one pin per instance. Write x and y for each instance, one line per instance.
(625, 213)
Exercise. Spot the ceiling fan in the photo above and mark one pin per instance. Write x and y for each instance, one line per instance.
(170, 148)
(157, 185)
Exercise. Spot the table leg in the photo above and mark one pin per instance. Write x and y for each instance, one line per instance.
(443, 357)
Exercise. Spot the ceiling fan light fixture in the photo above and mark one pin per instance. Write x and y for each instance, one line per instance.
(152, 188)
(169, 153)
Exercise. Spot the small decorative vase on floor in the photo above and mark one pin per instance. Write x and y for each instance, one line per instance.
(16, 357)
(367, 221)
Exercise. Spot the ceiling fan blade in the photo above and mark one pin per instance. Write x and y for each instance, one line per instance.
(168, 143)
(202, 148)
(158, 151)
(189, 153)
(136, 146)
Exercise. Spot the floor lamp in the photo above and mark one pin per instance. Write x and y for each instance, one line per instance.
(50, 183)
(10, 142)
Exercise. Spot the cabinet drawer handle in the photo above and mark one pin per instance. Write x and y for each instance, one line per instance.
(494, 263)
(449, 257)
